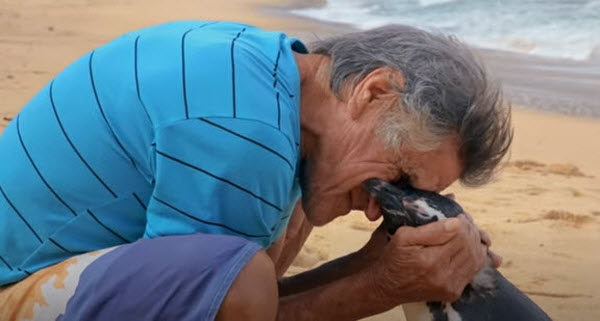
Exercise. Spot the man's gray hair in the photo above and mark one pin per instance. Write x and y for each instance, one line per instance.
(447, 92)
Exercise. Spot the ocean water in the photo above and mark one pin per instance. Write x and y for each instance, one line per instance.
(562, 29)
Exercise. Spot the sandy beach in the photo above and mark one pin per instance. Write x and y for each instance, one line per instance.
(543, 210)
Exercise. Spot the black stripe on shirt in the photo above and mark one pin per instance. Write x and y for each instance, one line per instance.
(110, 129)
(185, 101)
(137, 81)
(278, 111)
(73, 146)
(277, 95)
(274, 152)
(19, 214)
(221, 179)
(233, 71)
(107, 228)
(59, 246)
(37, 170)
(207, 222)
(6, 263)
(24, 271)
(139, 200)
(275, 68)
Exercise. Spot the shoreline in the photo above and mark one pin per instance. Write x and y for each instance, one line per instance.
(554, 85)
(324, 28)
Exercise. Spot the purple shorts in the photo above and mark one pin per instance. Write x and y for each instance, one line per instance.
(168, 278)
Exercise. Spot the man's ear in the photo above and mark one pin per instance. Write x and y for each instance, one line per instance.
(377, 84)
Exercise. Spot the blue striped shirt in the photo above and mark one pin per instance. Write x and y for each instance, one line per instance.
(179, 128)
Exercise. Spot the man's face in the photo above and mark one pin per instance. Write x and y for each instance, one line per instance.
(352, 153)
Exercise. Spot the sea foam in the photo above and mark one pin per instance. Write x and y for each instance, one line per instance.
(561, 29)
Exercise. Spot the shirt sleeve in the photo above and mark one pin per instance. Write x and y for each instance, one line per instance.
(221, 175)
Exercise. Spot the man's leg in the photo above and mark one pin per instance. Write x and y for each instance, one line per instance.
(44, 294)
(191, 277)
(253, 295)
(177, 278)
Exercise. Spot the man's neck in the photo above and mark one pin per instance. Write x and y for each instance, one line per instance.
(318, 102)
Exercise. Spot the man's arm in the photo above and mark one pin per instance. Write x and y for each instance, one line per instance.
(336, 269)
(350, 298)
(285, 250)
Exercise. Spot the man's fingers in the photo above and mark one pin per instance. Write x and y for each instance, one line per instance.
(496, 259)
(450, 196)
(461, 264)
(485, 238)
(462, 253)
(436, 233)
(471, 250)
(468, 216)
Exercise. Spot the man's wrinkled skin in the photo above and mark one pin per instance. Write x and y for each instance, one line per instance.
(339, 151)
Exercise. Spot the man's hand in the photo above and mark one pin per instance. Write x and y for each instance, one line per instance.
(485, 238)
(429, 263)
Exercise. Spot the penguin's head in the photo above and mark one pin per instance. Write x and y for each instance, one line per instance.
(402, 204)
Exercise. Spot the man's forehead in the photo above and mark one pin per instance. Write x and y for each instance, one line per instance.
(436, 169)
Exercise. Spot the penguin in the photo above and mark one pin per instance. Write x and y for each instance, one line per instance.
(488, 297)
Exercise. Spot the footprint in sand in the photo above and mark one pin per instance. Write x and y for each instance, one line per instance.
(362, 226)
(575, 192)
(557, 295)
(539, 280)
(318, 236)
(564, 255)
(575, 219)
(309, 256)
(525, 164)
(563, 169)
(5, 119)
(533, 190)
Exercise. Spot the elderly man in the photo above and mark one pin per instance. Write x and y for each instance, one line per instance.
(182, 150)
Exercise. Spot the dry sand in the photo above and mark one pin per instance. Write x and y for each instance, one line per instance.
(543, 211)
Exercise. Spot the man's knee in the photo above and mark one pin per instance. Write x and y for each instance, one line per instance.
(253, 295)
